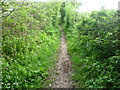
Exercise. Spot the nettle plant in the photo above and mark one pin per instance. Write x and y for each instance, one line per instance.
(30, 39)
(93, 43)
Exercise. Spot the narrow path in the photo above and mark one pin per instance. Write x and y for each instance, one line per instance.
(63, 68)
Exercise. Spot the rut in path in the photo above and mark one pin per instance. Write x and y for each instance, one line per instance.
(63, 68)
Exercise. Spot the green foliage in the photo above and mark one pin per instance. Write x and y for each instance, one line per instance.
(94, 46)
(31, 38)
(29, 43)
(62, 12)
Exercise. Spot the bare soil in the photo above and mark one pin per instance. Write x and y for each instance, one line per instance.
(63, 68)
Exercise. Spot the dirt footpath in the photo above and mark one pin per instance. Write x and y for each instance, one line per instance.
(63, 68)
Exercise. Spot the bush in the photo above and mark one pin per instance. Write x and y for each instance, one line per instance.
(93, 44)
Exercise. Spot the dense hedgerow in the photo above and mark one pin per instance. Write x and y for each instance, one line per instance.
(94, 46)
(30, 39)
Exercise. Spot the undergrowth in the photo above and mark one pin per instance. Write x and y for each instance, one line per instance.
(93, 41)
(30, 40)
